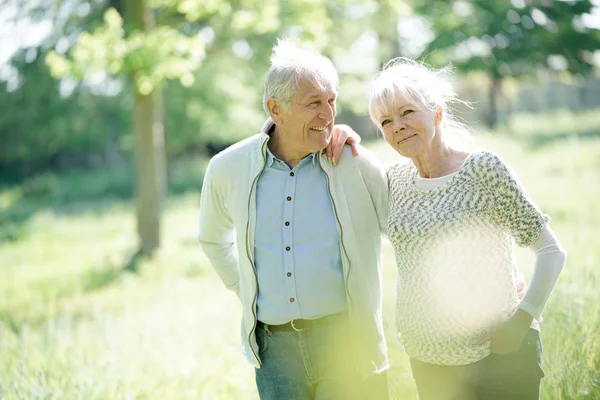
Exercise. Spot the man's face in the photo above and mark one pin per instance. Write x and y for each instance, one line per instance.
(308, 121)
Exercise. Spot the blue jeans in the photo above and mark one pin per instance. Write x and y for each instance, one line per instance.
(313, 364)
(513, 376)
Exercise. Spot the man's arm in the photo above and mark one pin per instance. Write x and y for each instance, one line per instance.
(217, 232)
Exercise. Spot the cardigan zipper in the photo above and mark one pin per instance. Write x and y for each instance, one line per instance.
(345, 265)
(248, 251)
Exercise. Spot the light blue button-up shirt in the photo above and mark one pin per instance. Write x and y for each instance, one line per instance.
(297, 253)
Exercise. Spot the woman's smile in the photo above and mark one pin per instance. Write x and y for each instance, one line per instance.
(406, 139)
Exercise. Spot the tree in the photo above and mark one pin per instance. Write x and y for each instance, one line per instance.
(147, 55)
(509, 38)
(148, 122)
(160, 40)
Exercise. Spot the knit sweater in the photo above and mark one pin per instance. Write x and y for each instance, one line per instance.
(457, 275)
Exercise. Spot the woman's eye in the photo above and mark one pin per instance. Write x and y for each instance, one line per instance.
(314, 104)
(385, 122)
(406, 112)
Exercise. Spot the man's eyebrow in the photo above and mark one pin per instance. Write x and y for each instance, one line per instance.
(313, 96)
(318, 95)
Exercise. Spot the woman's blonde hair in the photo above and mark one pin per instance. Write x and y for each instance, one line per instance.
(422, 84)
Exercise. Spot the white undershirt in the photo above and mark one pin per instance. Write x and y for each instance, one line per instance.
(550, 258)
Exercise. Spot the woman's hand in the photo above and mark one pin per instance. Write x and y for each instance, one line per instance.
(507, 338)
(340, 135)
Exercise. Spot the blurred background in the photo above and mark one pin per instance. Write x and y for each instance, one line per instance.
(110, 110)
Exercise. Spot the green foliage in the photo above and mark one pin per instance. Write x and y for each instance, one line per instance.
(78, 191)
(212, 91)
(210, 58)
(222, 108)
(164, 52)
(149, 57)
(545, 129)
(43, 128)
(509, 38)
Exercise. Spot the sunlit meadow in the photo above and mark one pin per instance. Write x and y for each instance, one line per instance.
(81, 319)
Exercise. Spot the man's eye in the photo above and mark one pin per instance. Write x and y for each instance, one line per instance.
(314, 104)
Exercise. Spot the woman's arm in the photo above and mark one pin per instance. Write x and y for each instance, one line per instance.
(340, 136)
(550, 258)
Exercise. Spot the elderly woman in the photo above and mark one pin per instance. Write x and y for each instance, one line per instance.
(464, 315)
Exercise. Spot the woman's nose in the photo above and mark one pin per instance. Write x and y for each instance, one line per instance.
(399, 125)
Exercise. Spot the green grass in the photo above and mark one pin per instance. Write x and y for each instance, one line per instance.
(543, 129)
(75, 325)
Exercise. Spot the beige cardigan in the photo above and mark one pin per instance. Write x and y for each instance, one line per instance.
(359, 194)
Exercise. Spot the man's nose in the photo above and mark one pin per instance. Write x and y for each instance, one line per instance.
(327, 112)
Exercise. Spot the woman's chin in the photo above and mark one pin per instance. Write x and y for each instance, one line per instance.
(404, 152)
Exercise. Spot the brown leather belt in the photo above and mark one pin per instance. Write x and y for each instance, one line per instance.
(294, 325)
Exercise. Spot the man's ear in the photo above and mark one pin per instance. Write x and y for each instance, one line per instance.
(439, 115)
(275, 110)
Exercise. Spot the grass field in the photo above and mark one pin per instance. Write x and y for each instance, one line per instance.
(75, 324)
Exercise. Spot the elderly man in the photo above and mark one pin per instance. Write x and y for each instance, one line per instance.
(299, 241)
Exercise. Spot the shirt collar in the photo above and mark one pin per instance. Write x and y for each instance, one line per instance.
(271, 158)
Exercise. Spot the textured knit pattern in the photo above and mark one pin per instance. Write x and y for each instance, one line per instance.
(457, 276)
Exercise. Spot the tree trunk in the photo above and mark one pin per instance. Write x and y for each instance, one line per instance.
(495, 93)
(149, 148)
(150, 168)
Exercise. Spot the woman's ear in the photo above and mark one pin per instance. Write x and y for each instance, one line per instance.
(439, 115)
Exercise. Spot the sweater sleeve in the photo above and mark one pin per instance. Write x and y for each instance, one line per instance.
(550, 258)
(217, 232)
(513, 209)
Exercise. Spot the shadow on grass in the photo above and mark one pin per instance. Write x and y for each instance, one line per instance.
(78, 192)
(100, 278)
(18, 324)
(16, 316)
(9, 322)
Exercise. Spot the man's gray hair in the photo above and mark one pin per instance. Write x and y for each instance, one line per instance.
(290, 65)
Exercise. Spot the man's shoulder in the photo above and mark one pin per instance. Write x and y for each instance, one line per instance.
(237, 152)
(365, 159)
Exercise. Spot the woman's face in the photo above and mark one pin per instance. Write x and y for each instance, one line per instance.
(408, 126)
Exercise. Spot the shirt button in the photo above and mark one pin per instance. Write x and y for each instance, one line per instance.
(288, 198)
(287, 248)
(292, 300)
(287, 223)
(289, 274)
(291, 174)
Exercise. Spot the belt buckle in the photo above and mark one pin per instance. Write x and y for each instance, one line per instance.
(292, 322)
